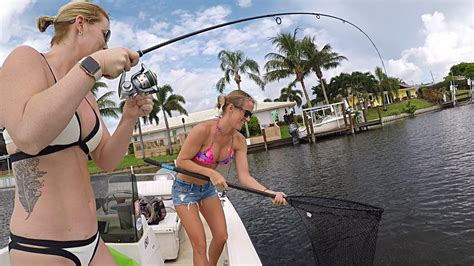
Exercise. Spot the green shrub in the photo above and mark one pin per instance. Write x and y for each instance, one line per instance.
(409, 108)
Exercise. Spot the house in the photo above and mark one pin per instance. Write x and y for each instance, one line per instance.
(404, 92)
(156, 140)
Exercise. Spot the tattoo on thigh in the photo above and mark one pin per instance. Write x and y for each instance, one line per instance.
(29, 182)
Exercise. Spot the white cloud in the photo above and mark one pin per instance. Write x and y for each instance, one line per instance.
(9, 13)
(244, 3)
(446, 43)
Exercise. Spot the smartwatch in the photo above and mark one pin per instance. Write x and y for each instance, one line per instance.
(91, 67)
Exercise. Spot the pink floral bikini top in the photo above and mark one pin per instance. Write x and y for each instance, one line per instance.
(207, 156)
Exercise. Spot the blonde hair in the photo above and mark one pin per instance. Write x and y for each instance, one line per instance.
(236, 98)
(66, 15)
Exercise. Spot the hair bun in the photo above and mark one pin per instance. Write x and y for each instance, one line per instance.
(44, 22)
(220, 101)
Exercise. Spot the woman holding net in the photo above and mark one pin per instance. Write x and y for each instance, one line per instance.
(208, 145)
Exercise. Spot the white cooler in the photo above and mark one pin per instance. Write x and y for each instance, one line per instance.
(167, 232)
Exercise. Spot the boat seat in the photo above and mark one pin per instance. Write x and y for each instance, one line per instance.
(160, 187)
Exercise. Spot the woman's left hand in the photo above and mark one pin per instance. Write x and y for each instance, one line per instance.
(279, 199)
(138, 106)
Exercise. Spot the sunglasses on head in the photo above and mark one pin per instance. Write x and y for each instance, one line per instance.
(247, 113)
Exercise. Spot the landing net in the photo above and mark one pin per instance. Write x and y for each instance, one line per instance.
(341, 232)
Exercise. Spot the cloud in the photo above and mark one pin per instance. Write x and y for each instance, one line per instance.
(244, 3)
(445, 44)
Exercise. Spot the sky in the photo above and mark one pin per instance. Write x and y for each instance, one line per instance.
(418, 40)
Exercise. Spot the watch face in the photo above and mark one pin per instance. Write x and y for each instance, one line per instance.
(90, 65)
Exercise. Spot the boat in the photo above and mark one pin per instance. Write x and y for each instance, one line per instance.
(325, 118)
(125, 228)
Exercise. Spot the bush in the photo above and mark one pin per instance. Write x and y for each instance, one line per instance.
(254, 127)
(431, 95)
(409, 108)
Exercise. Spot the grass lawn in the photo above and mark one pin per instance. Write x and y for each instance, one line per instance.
(130, 160)
(284, 132)
(462, 95)
(397, 108)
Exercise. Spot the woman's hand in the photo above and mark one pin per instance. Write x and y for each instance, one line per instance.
(115, 60)
(218, 180)
(138, 106)
(279, 199)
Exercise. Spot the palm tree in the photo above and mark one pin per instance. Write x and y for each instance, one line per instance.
(235, 64)
(107, 107)
(169, 102)
(288, 62)
(289, 94)
(386, 83)
(319, 60)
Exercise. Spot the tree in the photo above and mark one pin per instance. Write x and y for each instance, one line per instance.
(383, 84)
(319, 60)
(290, 61)
(169, 102)
(107, 107)
(235, 64)
(289, 94)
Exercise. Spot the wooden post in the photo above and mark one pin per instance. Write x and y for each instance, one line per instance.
(311, 128)
(351, 121)
(306, 123)
(264, 139)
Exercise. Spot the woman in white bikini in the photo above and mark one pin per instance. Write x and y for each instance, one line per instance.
(52, 124)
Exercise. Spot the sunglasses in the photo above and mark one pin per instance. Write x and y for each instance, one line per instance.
(247, 113)
(107, 35)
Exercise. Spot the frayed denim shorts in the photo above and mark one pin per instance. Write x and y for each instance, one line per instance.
(188, 193)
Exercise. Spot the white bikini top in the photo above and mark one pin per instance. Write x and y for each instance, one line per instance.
(70, 136)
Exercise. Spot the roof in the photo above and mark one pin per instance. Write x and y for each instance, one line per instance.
(206, 115)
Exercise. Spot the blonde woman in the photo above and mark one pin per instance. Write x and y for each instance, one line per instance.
(52, 124)
(208, 145)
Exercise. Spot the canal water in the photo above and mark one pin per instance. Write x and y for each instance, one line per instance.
(419, 170)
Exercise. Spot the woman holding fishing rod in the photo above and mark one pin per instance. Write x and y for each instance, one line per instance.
(52, 124)
(208, 145)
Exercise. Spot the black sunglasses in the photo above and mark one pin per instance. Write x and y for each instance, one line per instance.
(107, 35)
(247, 113)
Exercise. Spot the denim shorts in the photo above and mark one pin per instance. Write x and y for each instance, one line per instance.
(188, 193)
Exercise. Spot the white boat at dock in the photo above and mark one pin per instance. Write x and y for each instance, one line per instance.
(325, 118)
(125, 229)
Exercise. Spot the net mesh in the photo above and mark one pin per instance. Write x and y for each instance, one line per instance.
(341, 232)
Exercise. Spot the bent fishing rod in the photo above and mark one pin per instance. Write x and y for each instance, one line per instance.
(275, 16)
(145, 81)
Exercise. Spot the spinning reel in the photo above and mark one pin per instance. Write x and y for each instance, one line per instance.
(141, 83)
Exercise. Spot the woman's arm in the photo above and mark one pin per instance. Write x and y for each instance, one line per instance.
(34, 113)
(191, 146)
(111, 149)
(241, 162)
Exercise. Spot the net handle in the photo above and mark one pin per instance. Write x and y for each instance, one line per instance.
(290, 200)
(206, 178)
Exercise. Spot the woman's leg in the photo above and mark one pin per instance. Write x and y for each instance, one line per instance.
(212, 211)
(189, 215)
(102, 256)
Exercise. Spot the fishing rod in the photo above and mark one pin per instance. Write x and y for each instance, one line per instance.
(145, 81)
(276, 17)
